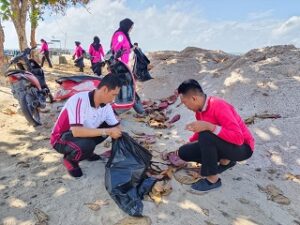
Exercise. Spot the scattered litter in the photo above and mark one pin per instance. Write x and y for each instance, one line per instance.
(97, 204)
(274, 194)
(41, 217)
(173, 158)
(187, 176)
(290, 176)
(175, 118)
(160, 189)
(144, 220)
(251, 119)
(8, 111)
(23, 164)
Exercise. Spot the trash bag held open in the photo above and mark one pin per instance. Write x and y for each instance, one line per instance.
(125, 178)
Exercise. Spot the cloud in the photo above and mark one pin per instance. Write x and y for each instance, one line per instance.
(289, 26)
(172, 27)
(261, 15)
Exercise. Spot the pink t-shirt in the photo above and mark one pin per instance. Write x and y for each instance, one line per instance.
(229, 125)
(44, 47)
(78, 51)
(97, 56)
(119, 40)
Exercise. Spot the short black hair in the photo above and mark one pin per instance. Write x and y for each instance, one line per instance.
(135, 43)
(189, 85)
(111, 81)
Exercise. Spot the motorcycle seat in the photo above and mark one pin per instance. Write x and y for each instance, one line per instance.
(11, 72)
(77, 79)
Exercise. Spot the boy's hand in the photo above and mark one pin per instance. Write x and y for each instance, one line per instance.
(199, 126)
(114, 132)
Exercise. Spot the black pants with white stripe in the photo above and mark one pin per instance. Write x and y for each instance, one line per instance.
(209, 149)
(77, 148)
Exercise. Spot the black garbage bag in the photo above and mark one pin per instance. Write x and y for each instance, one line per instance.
(140, 67)
(125, 178)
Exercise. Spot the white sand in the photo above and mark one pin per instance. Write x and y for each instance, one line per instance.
(263, 80)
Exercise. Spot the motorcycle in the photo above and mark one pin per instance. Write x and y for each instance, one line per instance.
(127, 98)
(28, 86)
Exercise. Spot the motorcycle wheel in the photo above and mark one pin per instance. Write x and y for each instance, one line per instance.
(31, 113)
(138, 106)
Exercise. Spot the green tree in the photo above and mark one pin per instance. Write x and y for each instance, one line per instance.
(18, 10)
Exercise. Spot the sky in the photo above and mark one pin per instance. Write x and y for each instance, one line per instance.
(234, 26)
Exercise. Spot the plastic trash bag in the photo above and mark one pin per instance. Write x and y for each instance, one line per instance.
(125, 178)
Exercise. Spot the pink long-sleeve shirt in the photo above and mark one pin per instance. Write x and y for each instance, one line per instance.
(78, 51)
(44, 47)
(97, 56)
(229, 125)
(119, 40)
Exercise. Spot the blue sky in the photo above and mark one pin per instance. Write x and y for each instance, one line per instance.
(229, 25)
(215, 10)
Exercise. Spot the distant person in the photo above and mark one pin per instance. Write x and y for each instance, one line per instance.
(97, 53)
(121, 39)
(45, 51)
(141, 62)
(220, 138)
(85, 121)
(79, 56)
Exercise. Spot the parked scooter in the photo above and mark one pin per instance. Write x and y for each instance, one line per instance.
(127, 98)
(28, 86)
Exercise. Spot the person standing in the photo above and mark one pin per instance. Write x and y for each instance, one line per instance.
(97, 53)
(121, 40)
(78, 56)
(45, 51)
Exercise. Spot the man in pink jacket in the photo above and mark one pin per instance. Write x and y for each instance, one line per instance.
(220, 135)
(121, 39)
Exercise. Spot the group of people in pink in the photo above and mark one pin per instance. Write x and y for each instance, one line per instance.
(120, 40)
(220, 140)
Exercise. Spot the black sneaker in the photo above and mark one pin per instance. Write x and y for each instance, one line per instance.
(204, 185)
(73, 168)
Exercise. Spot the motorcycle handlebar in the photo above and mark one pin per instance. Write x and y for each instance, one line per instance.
(24, 53)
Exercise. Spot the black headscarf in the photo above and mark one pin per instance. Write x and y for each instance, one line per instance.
(43, 40)
(125, 26)
(96, 44)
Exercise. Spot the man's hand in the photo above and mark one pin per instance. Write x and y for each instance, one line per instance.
(114, 132)
(199, 126)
